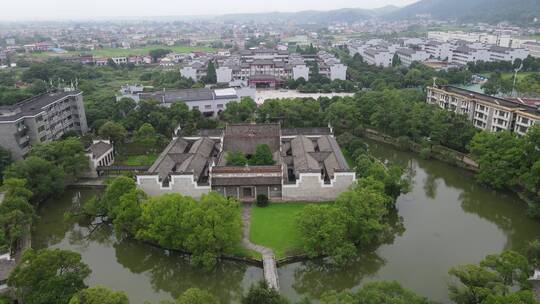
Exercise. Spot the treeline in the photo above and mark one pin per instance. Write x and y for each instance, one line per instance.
(26, 183)
(368, 76)
(530, 64)
(509, 161)
(205, 228)
(58, 276)
(359, 218)
(399, 113)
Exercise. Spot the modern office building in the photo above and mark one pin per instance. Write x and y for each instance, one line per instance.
(309, 165)
(41, 119)
(486, 112)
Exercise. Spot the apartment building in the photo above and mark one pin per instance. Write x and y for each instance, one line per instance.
(378, 57)
(408, 56)
(464, 54)
(438, 50)
(41, 119)
(486, 112)
(499, 53)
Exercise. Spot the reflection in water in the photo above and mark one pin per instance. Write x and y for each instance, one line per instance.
(171, 272)
(314, 278)
(143, 271)
(447, 219)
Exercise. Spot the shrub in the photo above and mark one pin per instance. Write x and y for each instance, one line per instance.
(262, 200)
(425, 153)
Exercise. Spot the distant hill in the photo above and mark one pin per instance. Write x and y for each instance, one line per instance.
(304, 17)
(516, 11)
(490, 11)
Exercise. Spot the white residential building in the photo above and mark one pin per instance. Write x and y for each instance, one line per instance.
(408, 56)
(485, 112)
(499, 53)
(465, 54)
(533, 48)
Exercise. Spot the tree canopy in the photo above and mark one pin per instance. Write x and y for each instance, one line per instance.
(48, 276)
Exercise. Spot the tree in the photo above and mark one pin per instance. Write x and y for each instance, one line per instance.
(477, 283)
(197, 296)
(16, 214)
(492, 280)
(158, 54)
(113, 131)
(146, 136)
(237, 112)
(236, 159)
(215, 226)
(262, 157)
(206, 228)
(261, 293)
(513, 268)
(519, 297)
(376, 293)
(323, 230)
(499, 156)
(99, 295)
(48, 276)
(533, 253)
(43, 177)
(396, 61)
(5, 161)
(211, 76)
(67, 154)
(365, 209)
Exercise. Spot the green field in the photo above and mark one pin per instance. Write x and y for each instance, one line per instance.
(137, 160)
(119, 52)
(274, 227)
(520, 75)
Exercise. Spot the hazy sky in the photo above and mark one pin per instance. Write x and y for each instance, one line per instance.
(89, 9)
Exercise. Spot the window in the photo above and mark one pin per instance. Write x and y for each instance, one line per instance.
(220, 106)
(42, 139)
(207, 107)
(39, 118)
(78, 124)
(195, 107)
(41, 129)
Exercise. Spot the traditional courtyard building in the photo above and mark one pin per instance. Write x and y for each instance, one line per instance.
(308, 165)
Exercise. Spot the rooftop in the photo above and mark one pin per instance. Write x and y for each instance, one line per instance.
(33, 106)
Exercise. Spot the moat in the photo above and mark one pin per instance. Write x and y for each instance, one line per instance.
(448, 219)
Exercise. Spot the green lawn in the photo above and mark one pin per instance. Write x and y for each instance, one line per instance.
(137, 160)
(274, 227)
(119, 52)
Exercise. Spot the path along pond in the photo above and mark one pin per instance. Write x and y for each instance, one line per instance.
(448, 220)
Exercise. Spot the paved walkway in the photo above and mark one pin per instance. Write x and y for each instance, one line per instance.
(269, 261)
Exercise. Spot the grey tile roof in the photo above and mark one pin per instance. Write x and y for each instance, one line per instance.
(100, 148)
(245, 137)
(171, 96)
(305, 131)
(241, 181)
(34, 105)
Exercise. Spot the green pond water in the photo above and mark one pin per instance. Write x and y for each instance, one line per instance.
(448, 220)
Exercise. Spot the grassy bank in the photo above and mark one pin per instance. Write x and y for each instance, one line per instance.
(274, 227)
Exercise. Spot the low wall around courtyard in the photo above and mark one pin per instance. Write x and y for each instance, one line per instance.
(310, 187)
(183, 184)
